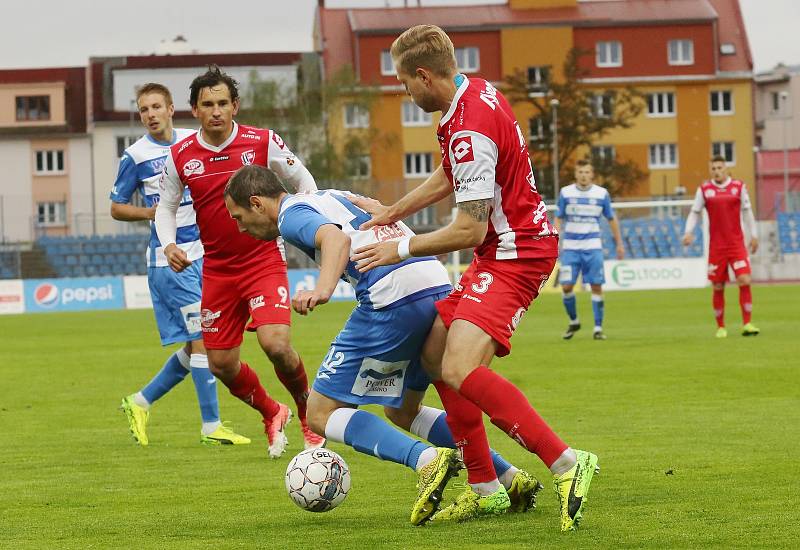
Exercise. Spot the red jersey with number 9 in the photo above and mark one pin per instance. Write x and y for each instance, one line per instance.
(485, 156)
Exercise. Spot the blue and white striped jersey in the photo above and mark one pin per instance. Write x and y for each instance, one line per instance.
(140, 169)
(581, 211)
(300, 217)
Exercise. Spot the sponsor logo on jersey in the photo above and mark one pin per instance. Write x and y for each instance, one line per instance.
(278, 141)
(709, 193)
(219, 158)
(157, 165)
(376, 377)
(251, 135)
(489, 96)
(734, 191)
(739, 264)
(248, 157)
(462, 149)
(388, 232)
(193, 167)
(185, 145)
(207, 317)
(290, 161)
(256, 302)
(463, 184)
(46, 295)
(517, 317)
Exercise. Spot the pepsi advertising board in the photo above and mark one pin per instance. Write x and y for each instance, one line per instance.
(42, 295)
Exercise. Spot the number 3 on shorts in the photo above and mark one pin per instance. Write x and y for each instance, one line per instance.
(483, 286)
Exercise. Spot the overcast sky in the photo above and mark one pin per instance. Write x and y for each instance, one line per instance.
(43, 33)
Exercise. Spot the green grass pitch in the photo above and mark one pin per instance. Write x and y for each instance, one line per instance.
(697, 437)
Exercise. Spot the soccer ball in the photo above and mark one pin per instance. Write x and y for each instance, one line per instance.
(317, 480)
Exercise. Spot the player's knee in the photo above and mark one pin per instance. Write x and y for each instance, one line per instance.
(743, 280)
(317, 413)
(281, 354)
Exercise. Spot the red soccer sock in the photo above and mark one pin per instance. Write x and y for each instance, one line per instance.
(510, 411)
(297, 384)
(466, 424)
(718, 300)
(746, 303)
(248, 388)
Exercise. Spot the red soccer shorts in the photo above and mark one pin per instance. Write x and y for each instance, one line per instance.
(719, 260)
(229, 301)
(495, 294)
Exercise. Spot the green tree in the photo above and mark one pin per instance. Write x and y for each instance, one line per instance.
(584, 117)
(301, 113)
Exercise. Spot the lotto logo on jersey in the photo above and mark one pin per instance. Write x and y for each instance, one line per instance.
(248, 157)
(193, 167)
(278, 141)
(462, 149)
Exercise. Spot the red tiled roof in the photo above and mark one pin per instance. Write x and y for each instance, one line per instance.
(731, 30)
(337, 45)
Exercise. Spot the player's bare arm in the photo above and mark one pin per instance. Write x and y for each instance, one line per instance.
(614, 223)
(334, 247)
(467, 230)
(432, 190)
(130, 213)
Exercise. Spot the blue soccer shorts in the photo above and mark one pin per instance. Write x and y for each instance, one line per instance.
(176, 302)
(376, 356)
(587, 263)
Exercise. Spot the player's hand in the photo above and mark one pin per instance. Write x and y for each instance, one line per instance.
(688, 238)
(753, 245)
(306, 300)
(379, 212)
(177, 258)
(620, 252)
(374, 255)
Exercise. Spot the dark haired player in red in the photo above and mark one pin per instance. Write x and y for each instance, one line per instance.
(727, 203)
(243, 279)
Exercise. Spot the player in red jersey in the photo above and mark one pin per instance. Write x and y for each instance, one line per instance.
(500, 213)
(727, 203)
(243, 278)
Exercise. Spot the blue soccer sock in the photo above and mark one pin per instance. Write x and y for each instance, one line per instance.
(368, 434)
(431, 425)
(598, 308)
(570, 304)
(171, 374)
(205, 385)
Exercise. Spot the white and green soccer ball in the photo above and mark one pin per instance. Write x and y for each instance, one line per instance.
(317, 480)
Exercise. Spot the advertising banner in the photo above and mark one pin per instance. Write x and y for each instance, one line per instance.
(137, 292)
(655, 274)
(43, 295)
(12, 296)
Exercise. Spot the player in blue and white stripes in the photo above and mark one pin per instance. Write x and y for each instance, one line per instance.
(175, 296)
(580, 207)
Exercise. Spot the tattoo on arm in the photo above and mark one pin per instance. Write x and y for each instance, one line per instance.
(479, 209)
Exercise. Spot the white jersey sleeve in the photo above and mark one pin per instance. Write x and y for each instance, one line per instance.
(171, 193)
(473, 158)
(749, 219)
(288, 167)
(697, 207)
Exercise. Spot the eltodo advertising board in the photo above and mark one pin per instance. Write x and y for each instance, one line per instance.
(664, 273)
(12, 296)
(42, 295)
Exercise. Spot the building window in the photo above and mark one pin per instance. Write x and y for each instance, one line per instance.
(33, 107)
(726, 48)
(538, 80)
(123, 142)
(721, 102)
(776, 102)
(387, 65)
(468, 59)
(50, 162)
(418, 165)
(724, 149)
(661, 104)
(681, 52)
(609, 54)
(414, 116)
(536, 129)
(359, 167)
(51, 213)
(603, 154)
(603, 105)
(426, 216)
(355, 116)
(664, 155)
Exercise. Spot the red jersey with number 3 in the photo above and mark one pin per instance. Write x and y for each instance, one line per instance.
(485, 156)
(724, 204)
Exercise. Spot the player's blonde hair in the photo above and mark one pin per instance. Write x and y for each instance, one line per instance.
(154, 88)
(425, 46)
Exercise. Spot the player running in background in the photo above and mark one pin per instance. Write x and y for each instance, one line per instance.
(500, 213)
(727, 203)
(581, 205)
(242, 278)
(176, 296)
(375, 359)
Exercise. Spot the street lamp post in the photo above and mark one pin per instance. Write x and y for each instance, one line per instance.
(785, 103)
(554, 106)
